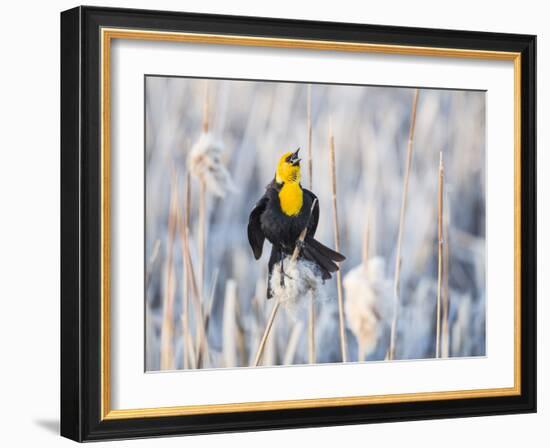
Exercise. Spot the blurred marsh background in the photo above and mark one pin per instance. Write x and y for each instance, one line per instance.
(211, 148)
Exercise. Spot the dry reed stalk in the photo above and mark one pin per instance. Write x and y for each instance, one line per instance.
(149, 327)
(267, 330)
(206, 109)
(186, 334)
(309, 140)
(302, 236)
(271, 350)
(201, 340)
(151, 262)
(311, 330)
(150, 338)
(343, 346)
(241, 337)
(396, 283)
(201, 346)
(202, 233)
(188, 355)
(230, 329)
(277, 304)
(365, 252)
(257, 309)
(167, 332)
(210, 304)
(294, 338)
(445, 339)
(311, 304)
(439, 255)
(202, 197)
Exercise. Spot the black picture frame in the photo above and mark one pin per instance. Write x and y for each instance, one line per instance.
(81, 224)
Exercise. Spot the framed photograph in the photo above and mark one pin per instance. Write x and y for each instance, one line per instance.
(276, 224)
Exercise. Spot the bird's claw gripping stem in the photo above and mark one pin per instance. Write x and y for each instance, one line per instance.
(283, 275)
(301, 244)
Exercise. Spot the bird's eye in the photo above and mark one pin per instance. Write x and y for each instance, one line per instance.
(288, 158)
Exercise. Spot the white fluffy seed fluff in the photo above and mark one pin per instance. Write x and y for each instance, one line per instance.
(301, 278)
(205, 162)
(366, 293)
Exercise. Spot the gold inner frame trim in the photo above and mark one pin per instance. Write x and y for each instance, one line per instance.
(107, 35)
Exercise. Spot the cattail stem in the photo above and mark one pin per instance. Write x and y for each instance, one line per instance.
(206, 109)
(202, 195)
(292, 345)
(311, 329)
(152, 260)
(229, 329)
(188, 358)
(311, 304)
(210, 305)
(396, 282)
(293, 259)
(309, 140)
(267, 330)
(365, 253)
(202, 234)
(445, 339)
(439, 255)
(303, 233)
(343, 346)
(167, 333)
(201, 340)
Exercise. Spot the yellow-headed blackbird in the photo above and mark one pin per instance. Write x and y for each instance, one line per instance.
(281, 215)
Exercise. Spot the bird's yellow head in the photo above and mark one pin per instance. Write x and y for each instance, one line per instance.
(288, 169)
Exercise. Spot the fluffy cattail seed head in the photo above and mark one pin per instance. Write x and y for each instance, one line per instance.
(366, 294)
(301, 278)
(205, 162)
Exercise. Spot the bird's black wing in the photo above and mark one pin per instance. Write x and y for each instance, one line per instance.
(314, 218)
(256, 236)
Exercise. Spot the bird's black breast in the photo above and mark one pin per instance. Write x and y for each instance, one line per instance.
(280, 229)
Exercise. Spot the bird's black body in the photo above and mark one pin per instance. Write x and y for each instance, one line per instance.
(281, 229)
(267, 220)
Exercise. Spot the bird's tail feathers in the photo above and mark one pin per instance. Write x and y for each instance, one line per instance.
(323, 256)
(324, 250)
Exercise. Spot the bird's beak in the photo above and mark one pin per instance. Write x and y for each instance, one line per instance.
(294, 158)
